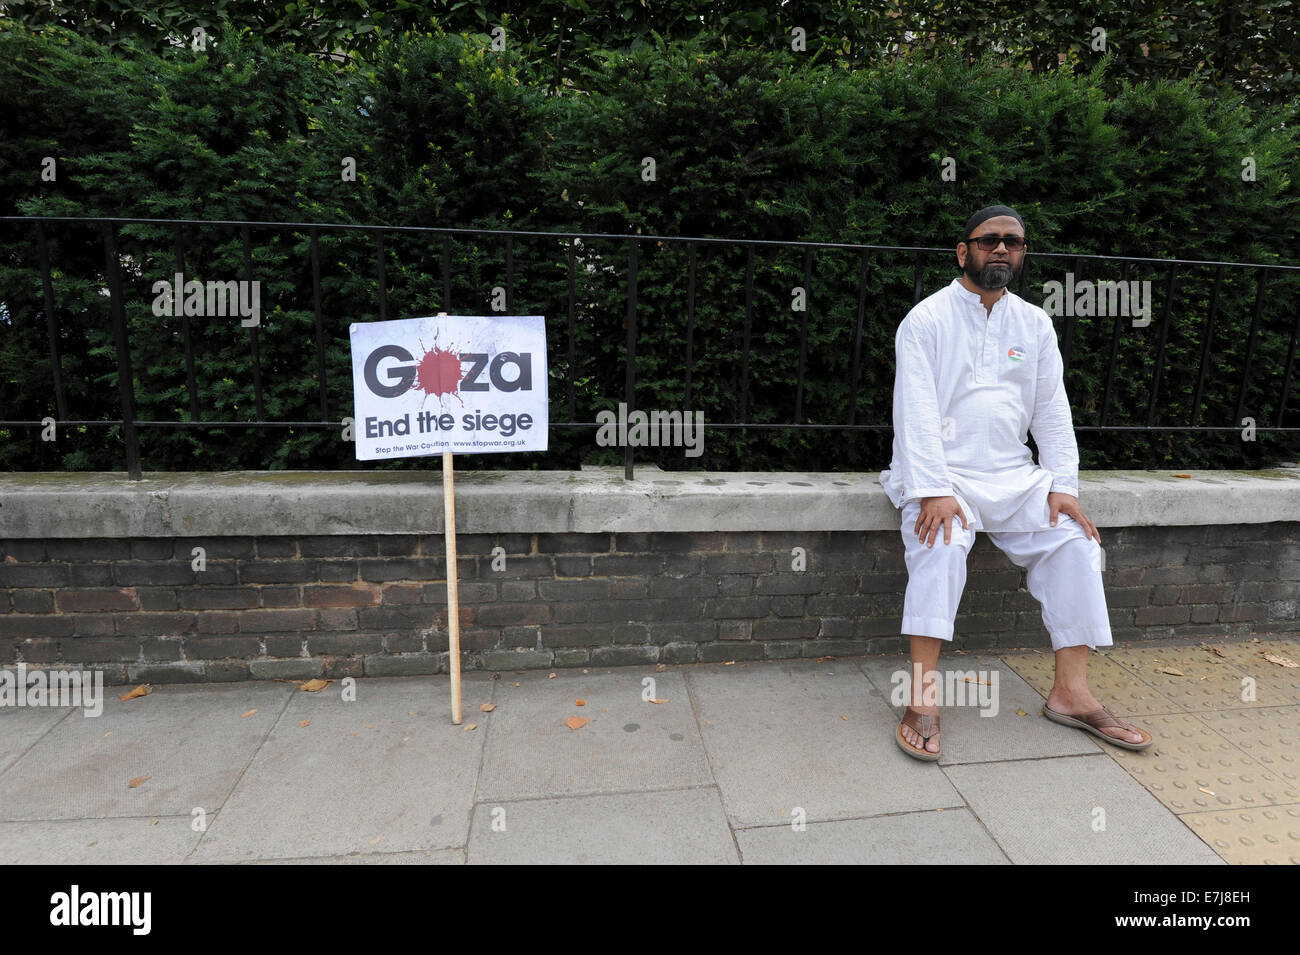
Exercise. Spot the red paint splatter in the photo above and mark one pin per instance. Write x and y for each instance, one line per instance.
(439, 373)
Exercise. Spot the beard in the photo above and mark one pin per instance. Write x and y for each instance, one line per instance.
(992, 276)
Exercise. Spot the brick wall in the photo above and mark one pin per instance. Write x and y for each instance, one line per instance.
(376, 605)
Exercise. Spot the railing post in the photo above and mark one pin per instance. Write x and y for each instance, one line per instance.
(125, 381)
(629, 391)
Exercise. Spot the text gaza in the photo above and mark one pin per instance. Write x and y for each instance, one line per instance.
(403, 376)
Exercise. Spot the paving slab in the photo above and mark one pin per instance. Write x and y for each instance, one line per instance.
(968, 736)
(811, 736)
(1190, 767)
(1200, 680)
(416, 857)
(21, 727)
(1118, 688)
(1265, 836)
(1043, 812)
(156, 840)
(911, 838)
(192, 741)
(628, 744)
(677, 827)
(386, 772)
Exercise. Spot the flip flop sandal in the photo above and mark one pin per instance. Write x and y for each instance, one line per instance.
(926, 725)
(1095, 722)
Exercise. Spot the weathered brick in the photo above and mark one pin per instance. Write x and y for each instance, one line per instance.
(220, 622)
(566, 566)
(626, 565)
(574, 543)
(158, 574)
(881, 583)
(405, 664)
(88, 575)
(161, 598)
(220, 648)
(300, 668)
(671, 653)
(26, 550)
(522, 591)
(33, 601)
(1128, 597)
(718, 564)
(214, 598)
(400, 594)
(180, 672)
(695, 542)
(833, 648)
(572, 590)
(735, 585)
(681, 631)
(791, 606)
(522, 614)
(343, 644)
(336, 619)
(95, 624)
(84, 550)
(735, 629)
(837, 627)
(746, 607)
(272, 548)
(785, 629)
(337, 571)
(781, 649)
(279, 572)
(38, 650)
(1157, 616)
(1205, 613)
(154, 548)
(265, 621)
(407, 545)
(360, 595)
(723, 652)
(986, 622)
(808, 583)
(516, 568)
(33, 575)
(1202, 593)
(575, 657)
(155, 624)
(35, 625)
(336, 668)
(84, 601)
(338, 545)
(226, 671)
(95, 649)
(516, 659)
(630, 588)
(467, 591)
(624, 656)
(577, 635)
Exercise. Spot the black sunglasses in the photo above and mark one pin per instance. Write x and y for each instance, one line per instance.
(988, 243)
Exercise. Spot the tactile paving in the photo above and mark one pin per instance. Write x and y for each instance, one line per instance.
(1268, 836)
(1270, 736)
(1275, 685)
(1120, 690)
(1208, 682)
(1192, 768)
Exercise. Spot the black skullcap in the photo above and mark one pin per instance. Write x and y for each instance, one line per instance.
(989, 213)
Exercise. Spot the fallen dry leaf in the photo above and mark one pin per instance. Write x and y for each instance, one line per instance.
(1217, 651)
(138, 781)
(1182, 475)
(844, 717)
(1021, 713)
(486, 707)
(144, 689)
(470, 726)
(728, 663)
(1172, 671)
(660, 667)
(551, 677)
(1280, 661)
(658, 701)
(514, 684)
(579, 702)
(153, 821)
(245, 716)
(576, 722)
(305, 723)
(311, 686)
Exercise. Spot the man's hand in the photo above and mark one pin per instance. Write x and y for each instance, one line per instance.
(938, 512)
(1069, 504)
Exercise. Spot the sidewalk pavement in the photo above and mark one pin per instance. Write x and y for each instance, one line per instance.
(766, 762)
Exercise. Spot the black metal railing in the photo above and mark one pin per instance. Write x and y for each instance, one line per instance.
(110, 228)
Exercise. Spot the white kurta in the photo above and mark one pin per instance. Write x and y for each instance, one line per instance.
(969, 387)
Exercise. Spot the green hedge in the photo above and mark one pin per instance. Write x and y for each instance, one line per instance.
(747, 144)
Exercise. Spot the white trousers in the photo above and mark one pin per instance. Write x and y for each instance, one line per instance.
(1064, 575)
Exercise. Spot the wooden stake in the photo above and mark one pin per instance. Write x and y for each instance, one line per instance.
(453, 600)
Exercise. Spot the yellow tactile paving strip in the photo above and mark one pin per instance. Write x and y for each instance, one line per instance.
(1226, 758)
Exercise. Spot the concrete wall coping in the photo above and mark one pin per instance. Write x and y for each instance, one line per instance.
(593, 500)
